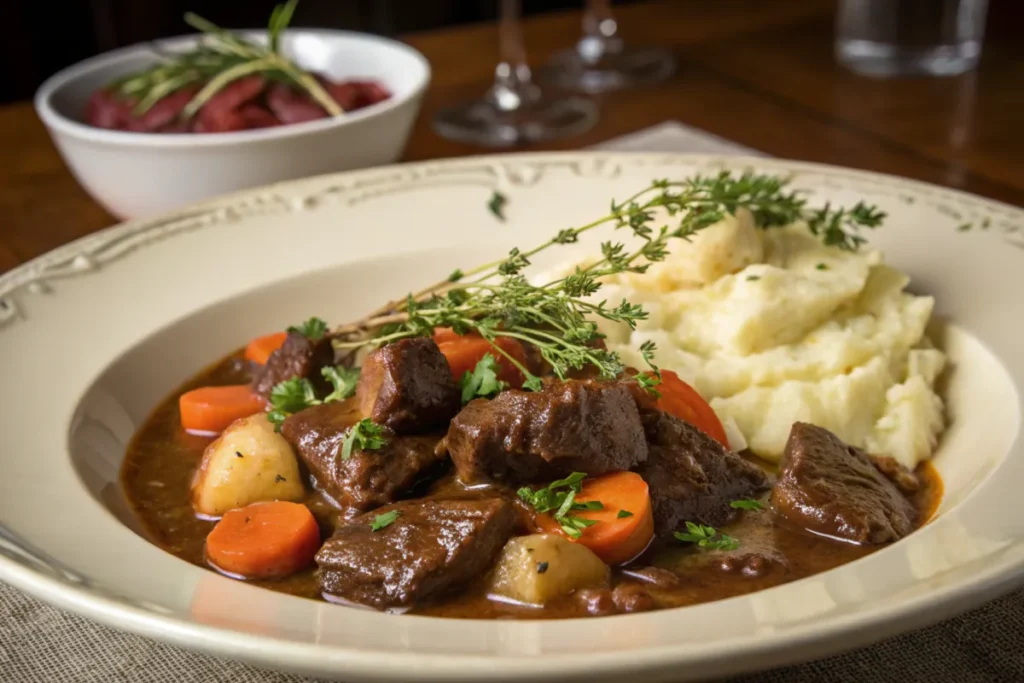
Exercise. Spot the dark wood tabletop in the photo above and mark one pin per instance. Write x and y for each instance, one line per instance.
(759, 73)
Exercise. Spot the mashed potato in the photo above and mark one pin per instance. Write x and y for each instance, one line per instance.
(772, 327)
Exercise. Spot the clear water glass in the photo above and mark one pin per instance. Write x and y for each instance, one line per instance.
(515, 110)
(910, 37)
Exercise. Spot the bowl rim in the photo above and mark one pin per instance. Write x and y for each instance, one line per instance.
(59, 123)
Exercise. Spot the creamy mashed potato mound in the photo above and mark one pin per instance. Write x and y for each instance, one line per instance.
(772, 327)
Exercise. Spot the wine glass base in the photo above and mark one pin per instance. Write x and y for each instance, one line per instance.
(624, 68)
(482, 123)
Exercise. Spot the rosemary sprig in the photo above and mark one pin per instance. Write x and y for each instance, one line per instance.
(222, 58)
(495, 299)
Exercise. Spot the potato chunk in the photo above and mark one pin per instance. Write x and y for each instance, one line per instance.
(534, 569)
(248, 463)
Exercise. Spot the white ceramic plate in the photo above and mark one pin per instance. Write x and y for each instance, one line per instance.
(95, 333)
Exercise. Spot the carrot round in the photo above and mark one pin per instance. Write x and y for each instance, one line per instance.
(212, 409)
(464, 351)
(264, 540)
(681, 400)
(617, 537)
(260, 348)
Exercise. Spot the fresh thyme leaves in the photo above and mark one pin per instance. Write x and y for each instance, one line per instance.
(292, 395)
(558, 318)
(314, 329)
(649, 381)
(344, 381)
(482, 381)
(365, 435)
(220, 59)
(706, 537)
(746, 504)
(623, 514)
(822, 266)
(560, 496)
(496, 205)
(385, 520)
(964, 227)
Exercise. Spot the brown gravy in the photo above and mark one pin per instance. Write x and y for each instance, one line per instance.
(158, 469)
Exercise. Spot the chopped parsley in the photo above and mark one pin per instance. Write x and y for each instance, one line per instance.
(313, 329)
(822, 266)
(496, 205)
(559, 497)
(364, 435)
(706, 537)
(542, 567)
(482, 381)
(753, 278)
(343, 380)
(623, 514)
(385, 519)
(746, 504)
(290, 396)
(296, 394)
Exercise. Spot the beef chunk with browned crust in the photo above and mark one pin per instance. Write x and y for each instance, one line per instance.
(431, 547)
(299, 357)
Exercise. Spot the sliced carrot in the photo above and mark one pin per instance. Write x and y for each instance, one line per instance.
(464, 351)
(680, 399)
(615, 539)
(212, 409)
(264, 540)
(260, 348)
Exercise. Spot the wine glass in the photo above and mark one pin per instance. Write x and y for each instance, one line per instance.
(515, 110)
(602, 61)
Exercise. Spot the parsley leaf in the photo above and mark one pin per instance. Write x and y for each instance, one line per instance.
(313, 329)
(560, 496)
(746, 504)
(623, 514)
(365, 435)
(706, 537)
(290, 396)
(385, 519)
(482, 381)
(343, 380)
(496, 205)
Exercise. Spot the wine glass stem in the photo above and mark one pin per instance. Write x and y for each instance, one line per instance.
(600, 31)
(513, 83)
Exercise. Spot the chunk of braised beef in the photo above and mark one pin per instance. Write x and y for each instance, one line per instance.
(691, 477)
(367, 479)
(831, 488)
(526, 437)
(431, 547)
(298, 357)
(629, 598)
(407, 386)
(905, 480)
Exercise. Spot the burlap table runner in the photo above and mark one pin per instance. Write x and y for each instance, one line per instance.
(40, 643)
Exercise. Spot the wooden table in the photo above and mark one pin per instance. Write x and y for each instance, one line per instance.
(760, 73)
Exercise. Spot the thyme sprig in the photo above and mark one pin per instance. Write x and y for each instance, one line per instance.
(558, 317)
(220, 59)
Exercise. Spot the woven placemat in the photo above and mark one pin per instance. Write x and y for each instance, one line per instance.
(41, 643)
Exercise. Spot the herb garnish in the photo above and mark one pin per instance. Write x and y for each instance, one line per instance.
(746, 504)
(365, 435)
(385, 519)
(482, 381)
(822, 266)
(753, 278)
(496, 205)
(296, 394)
(560, 496)
(344, 381)
(313, 329)
(706, 537)
(220, 59)
(623, 514)
(557, 318)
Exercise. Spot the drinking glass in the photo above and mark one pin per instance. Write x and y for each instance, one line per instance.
(515, 110)
(910, 37)
(602, 61)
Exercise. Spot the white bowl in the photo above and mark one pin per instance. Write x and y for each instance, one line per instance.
(134, 174)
